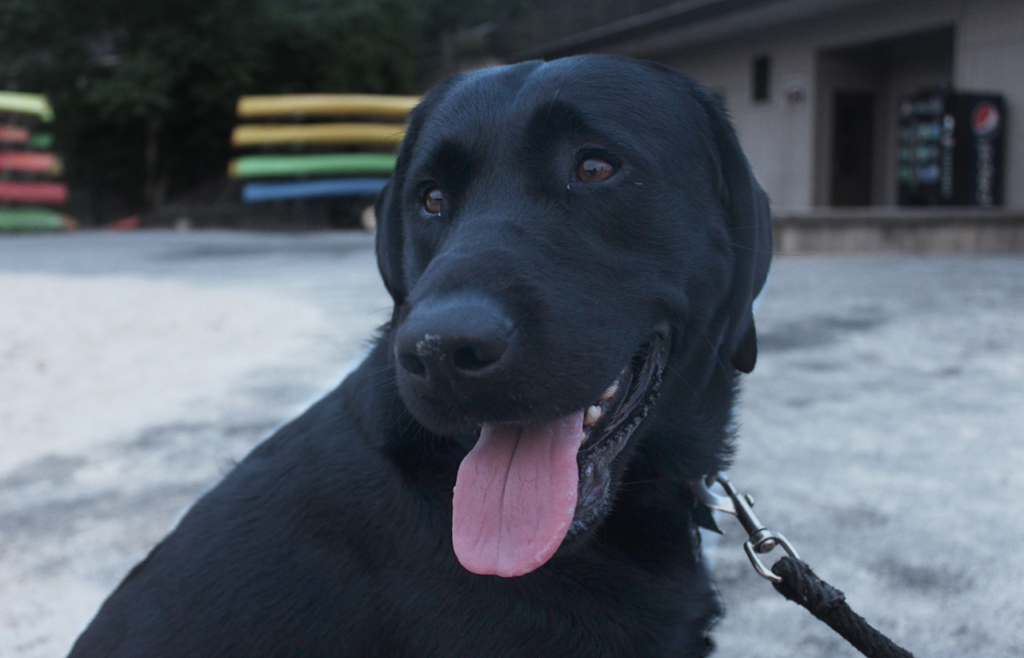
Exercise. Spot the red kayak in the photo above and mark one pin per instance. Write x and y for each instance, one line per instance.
(31, 162)
(13, 135)
(51, 194)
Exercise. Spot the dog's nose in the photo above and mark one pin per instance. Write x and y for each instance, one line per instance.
(453, 337)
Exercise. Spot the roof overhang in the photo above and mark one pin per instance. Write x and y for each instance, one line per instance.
(684, 24)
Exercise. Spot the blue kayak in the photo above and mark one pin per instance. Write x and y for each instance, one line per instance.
(328, 187)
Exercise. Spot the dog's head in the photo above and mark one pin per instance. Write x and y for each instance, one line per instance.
(565, 242)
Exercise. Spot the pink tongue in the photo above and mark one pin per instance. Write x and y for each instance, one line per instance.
(515, 496)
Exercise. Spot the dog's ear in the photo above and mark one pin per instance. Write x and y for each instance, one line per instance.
(388, 207)
(750, 231)
(390, 241)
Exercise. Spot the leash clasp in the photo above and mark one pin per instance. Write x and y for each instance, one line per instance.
(762, 540)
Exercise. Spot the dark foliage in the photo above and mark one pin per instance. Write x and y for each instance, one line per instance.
(145, 90)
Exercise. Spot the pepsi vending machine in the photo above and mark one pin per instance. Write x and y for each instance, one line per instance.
(950, 150)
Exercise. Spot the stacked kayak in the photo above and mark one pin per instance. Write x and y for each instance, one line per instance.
(29, 172)
(317, 145)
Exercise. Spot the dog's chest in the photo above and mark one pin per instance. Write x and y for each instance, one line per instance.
(612, 613)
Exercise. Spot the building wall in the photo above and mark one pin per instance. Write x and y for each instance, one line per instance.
(990, 57)
(788, 140)
(777, 135)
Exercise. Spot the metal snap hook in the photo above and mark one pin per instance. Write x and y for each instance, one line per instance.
(762, 540)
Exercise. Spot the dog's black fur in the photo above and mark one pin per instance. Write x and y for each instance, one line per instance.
(333, 538)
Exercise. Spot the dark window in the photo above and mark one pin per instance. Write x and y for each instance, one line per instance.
(762, 77)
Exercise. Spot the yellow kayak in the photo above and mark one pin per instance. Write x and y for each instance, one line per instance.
(22, 103)
(349, 134)
(326, 105)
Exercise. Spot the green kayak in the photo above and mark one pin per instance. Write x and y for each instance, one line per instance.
(313, 164)
(40, 141)
(33, 219)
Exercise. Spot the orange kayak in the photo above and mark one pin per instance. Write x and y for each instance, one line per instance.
(31, 162)
(51, 194)
(13, 135)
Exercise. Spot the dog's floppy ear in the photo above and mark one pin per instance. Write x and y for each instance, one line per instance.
(390, 241)
(750, 231)
(388, 207)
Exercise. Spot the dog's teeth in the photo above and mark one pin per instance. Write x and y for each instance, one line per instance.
(610, 392)
(593, 415)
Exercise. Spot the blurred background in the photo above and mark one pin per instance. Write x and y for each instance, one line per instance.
(839, 103)
(218, 157)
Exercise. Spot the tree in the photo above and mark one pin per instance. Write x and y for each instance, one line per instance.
(145, 90)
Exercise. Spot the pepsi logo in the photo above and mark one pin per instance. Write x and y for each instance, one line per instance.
(985, 119)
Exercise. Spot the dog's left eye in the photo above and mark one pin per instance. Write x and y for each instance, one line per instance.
(433, 201)
(595, 170)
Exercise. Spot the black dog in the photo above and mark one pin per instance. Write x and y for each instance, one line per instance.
(572, 248)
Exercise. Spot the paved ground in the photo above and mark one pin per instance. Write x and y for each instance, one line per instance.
(881, 430)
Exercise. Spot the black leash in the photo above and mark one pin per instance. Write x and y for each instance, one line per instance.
(801, 586)
(791, 576)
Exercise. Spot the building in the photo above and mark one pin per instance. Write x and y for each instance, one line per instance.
(814, 87)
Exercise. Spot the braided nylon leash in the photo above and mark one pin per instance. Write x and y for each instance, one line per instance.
(801, 586)
(791, 576)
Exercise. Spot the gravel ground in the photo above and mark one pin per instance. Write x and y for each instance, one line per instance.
(880, 431)
(134, 370)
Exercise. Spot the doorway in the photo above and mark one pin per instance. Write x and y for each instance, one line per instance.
(852, 148)
(858, 95)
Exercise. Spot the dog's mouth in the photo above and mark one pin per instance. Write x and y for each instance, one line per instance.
(609, 423)
(523, 488)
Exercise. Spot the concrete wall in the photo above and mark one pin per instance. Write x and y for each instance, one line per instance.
(900, 230)
(990, 57)
(788, 141)
(775, 134)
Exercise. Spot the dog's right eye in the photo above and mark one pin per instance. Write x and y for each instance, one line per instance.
(595, 170)
(433, 201)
